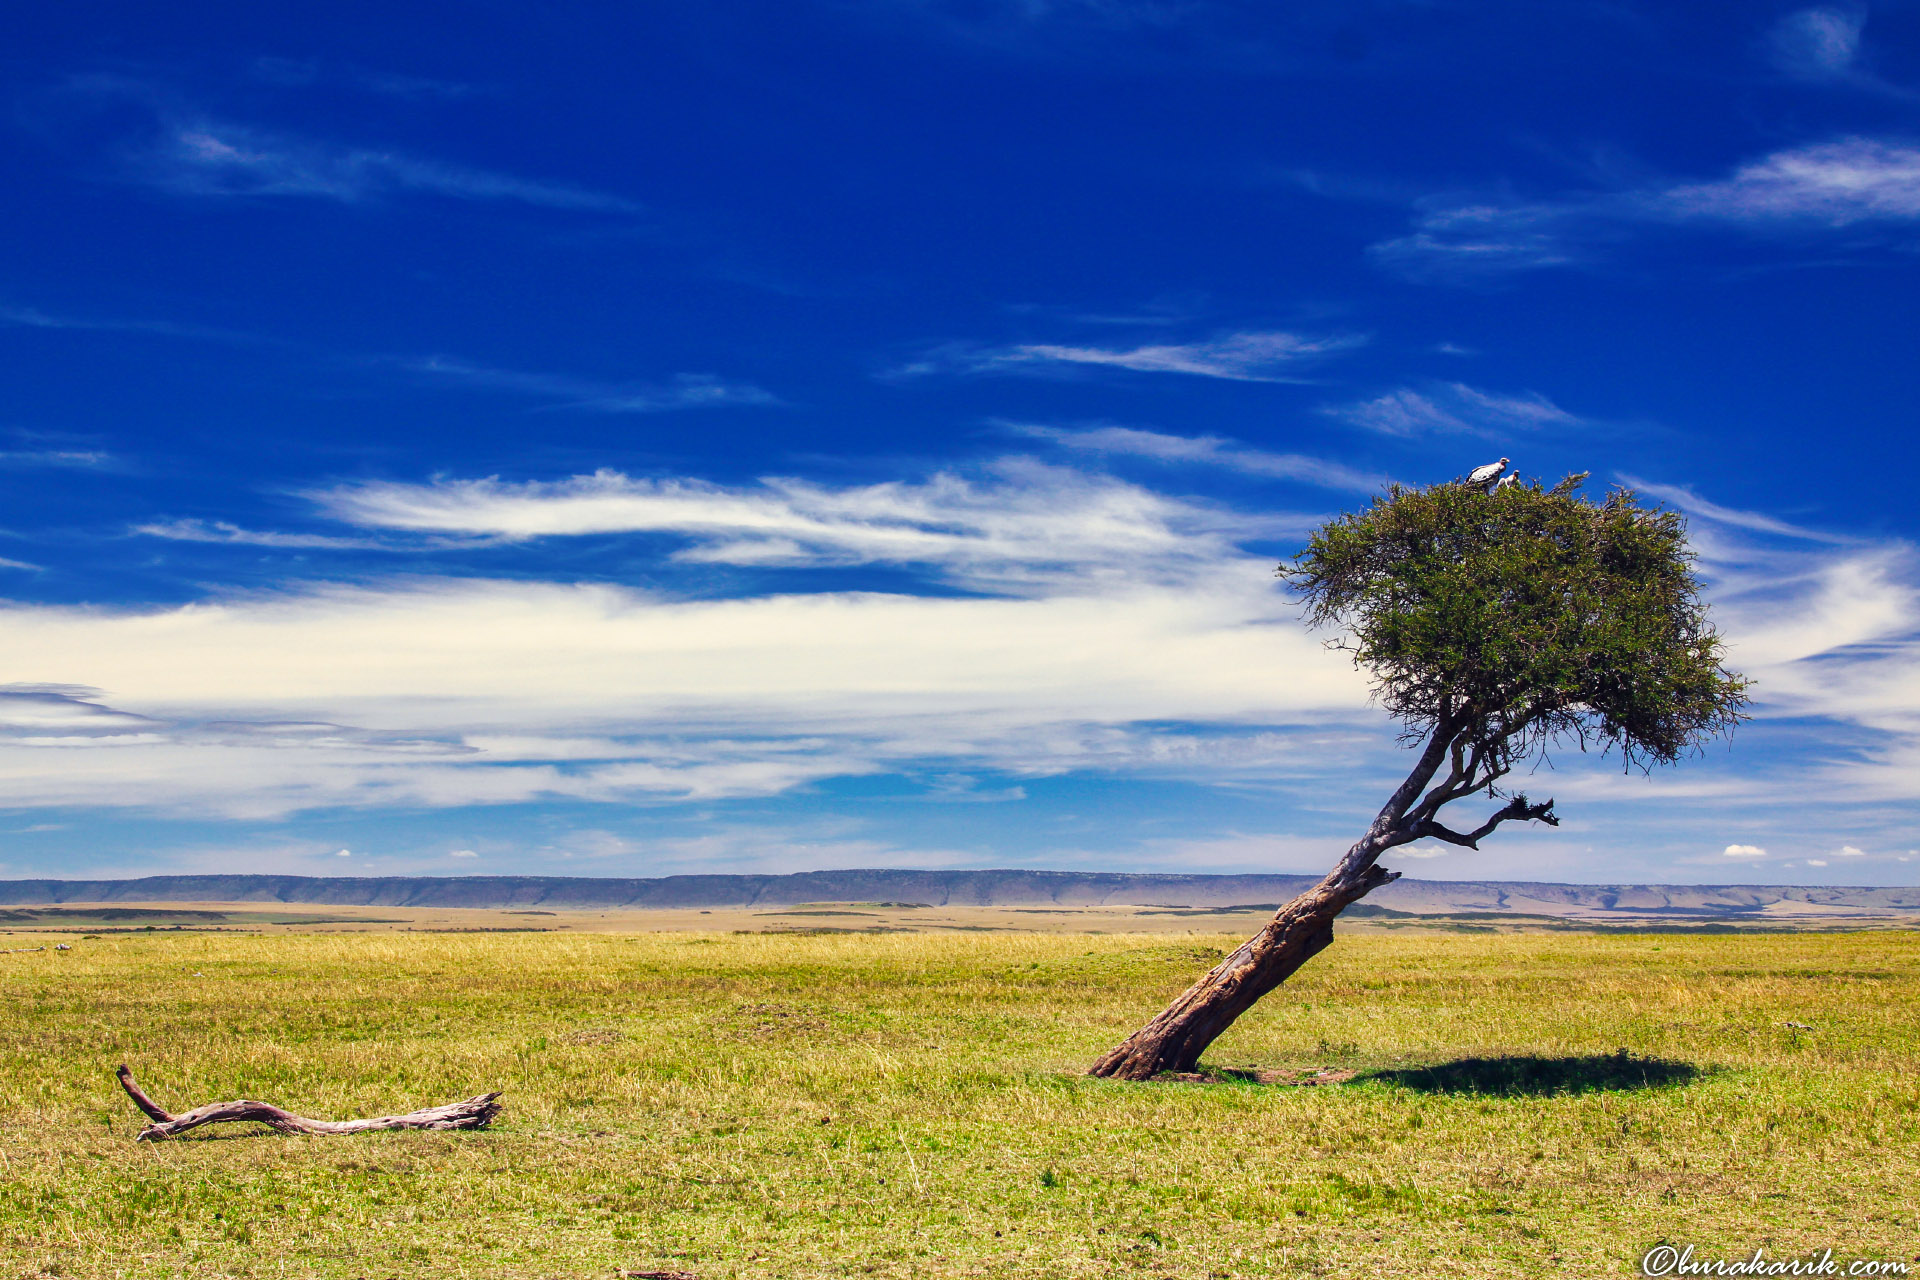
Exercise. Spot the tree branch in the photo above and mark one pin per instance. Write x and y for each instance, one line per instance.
(1445, 732)
(473, 1113)
(1472, 771)
(1475, 773)
(1517, 809)
(1391, 820)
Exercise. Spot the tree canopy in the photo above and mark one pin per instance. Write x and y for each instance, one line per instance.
(1510, 619)
(1493, 621)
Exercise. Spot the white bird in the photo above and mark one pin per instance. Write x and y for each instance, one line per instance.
(1487, 474)
(1507, 481)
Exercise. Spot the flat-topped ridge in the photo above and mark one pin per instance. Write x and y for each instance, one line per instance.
(946, 888)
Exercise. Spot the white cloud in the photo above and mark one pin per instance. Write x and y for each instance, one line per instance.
(77, 458)
(222, 532)
(179, 148)
(1818, 43)
(1092, 608)
(1836, 604)
(1835, 183)
(1420, 851)
(961, 788)
(1047, 620)
(34, 318)
(1816, 862)
(1213, 647)
(1830, 632)
(1744, 851)
(20, 564)
(212, 158)
(1212, 451)
(1467, 241)
(1452, 407)
(67, 708)
(463, 853)
(344, 853)
(1848, 851)
(684, 391)
(1021, 521)
(562, 391)
(1683, 497)
(1838, 183)
(301, 73)
(1253, 356)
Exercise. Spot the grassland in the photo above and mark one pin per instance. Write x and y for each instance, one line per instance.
(907, 1104)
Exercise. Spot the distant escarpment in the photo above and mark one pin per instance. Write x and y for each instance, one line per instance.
(949, 888)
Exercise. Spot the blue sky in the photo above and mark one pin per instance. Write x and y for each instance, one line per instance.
(632, 440)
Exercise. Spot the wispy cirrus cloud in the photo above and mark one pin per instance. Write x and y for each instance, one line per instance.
(77, 459)
(34, 318)
(215, 158)
(1820, 43)
(1826, 45)
(179, 148)
(1833, 184)
(683, 391)
(1248, 356)
(40, 708)
(1048, 621)
(1452, 407)
(1829, 629)
(1470, 241)
(1684, 497)
(567, 391)
(1094, 610)
(621, 699)
(1823, 186)
(1206, 451)
(1017, 521)
(220, 531)
(300, 73)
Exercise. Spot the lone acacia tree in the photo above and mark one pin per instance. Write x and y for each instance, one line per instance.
(1494, 625)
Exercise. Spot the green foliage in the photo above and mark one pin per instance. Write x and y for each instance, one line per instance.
(1517, 617)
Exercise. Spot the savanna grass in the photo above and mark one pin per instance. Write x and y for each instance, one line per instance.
(910, 1105)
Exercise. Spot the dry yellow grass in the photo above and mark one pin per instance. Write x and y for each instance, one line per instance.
(908, 1104)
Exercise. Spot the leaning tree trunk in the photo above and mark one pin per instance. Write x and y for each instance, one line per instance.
(1300, 930)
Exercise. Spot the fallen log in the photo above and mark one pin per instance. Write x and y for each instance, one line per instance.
(474, 1113)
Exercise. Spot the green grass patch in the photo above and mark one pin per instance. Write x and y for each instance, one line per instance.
(910, 1104)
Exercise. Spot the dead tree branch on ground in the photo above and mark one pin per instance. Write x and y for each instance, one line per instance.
(474, 1113)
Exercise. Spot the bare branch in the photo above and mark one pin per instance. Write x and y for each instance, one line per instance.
(1465, 778)
(1429, 763)
(1493, 774)
(154, 1111)
(1518, 809)
(473, 1113)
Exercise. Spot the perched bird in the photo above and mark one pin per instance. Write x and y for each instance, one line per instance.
(1487, 474)
(1507, 481)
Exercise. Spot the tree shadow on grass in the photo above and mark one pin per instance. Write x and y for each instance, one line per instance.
(1530, 1076)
